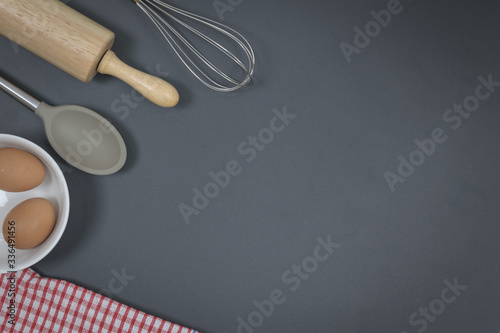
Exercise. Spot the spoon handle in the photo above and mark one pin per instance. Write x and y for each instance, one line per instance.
(19, 95)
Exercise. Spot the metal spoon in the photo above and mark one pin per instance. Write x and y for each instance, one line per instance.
(80, 136)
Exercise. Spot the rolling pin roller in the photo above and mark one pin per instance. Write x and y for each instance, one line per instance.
(75, 44)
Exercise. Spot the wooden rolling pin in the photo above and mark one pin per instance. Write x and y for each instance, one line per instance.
(75, 44)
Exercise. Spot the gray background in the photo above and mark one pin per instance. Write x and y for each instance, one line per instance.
(323, 175)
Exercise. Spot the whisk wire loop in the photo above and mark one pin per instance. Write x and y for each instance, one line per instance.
(159, 12)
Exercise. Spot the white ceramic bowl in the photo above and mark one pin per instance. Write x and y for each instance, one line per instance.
(53, 188)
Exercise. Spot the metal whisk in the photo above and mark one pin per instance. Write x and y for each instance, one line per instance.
(164, 15)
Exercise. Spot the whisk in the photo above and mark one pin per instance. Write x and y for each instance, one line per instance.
(164, 16)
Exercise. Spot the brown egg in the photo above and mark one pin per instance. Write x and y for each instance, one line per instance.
(29, 223)
(19, 170)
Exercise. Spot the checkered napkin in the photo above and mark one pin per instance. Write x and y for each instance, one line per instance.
(50, 305)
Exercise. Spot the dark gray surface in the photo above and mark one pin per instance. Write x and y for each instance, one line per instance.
(323, 175)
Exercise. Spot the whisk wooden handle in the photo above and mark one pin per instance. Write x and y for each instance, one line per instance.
(155, 89)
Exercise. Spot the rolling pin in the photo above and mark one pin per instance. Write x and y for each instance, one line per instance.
(76, 44)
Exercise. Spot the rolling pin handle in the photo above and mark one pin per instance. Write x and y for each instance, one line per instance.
(155, 89)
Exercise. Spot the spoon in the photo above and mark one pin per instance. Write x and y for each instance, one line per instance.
(80, 136)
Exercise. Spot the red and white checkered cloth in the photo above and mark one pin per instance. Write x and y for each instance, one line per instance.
(50, 305)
